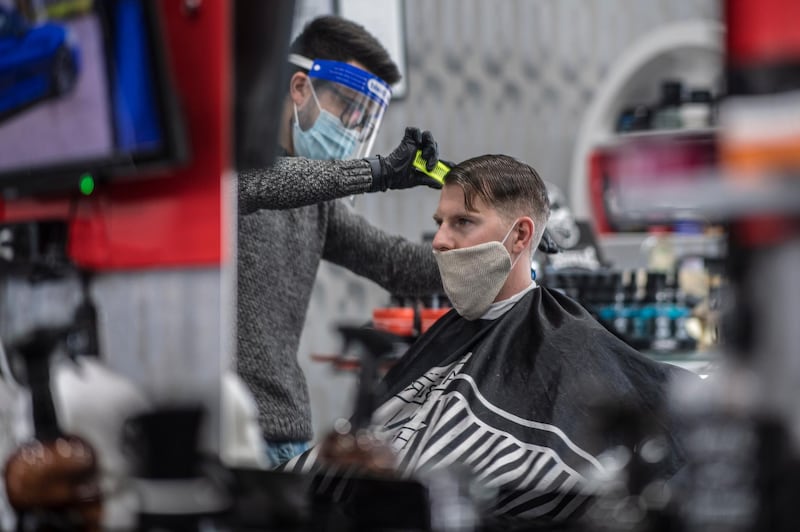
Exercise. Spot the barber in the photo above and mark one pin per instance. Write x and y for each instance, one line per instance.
(290, 219)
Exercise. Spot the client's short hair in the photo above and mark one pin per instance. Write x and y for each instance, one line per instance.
(507, 184)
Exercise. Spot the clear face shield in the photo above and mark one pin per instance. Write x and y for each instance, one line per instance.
(350, 103)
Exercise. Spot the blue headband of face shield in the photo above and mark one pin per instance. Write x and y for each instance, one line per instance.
(347, 75)
(356, 103)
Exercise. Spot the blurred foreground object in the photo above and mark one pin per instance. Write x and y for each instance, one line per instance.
(353, 443)
(52, 481)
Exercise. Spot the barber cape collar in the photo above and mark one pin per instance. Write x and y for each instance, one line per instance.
(356, 100)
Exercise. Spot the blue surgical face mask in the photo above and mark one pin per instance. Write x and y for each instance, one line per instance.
(326, 139)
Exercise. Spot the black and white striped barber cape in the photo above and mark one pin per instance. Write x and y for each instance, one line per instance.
(512, 400)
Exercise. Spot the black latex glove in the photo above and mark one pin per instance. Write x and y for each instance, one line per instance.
(547, 244)
(397, 170)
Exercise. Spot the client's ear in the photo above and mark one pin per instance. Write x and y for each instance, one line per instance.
(524, 233)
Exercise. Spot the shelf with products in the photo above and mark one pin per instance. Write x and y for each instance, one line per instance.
(668, 311)
(637, 164)
(658, 291)
(659, 98)
(748, 167)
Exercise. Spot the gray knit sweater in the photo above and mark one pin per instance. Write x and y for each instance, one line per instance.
(288, 222)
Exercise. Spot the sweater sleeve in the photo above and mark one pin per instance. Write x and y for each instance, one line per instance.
(296, 182)
(396, 264)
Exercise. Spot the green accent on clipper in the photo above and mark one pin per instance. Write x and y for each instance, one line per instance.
(438, 172)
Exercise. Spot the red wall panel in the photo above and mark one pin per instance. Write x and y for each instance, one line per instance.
(174, 218)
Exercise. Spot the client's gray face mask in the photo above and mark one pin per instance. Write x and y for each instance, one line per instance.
(472, 277)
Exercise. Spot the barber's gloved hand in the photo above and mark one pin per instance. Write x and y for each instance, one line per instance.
(547, 244)
(397, 170)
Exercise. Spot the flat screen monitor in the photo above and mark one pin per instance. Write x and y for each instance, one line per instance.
(84, 92)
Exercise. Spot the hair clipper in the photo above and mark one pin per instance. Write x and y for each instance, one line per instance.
(438, 172)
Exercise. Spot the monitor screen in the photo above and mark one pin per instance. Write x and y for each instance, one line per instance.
(83, 92)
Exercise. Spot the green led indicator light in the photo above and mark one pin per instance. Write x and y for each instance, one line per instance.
(86, 184)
